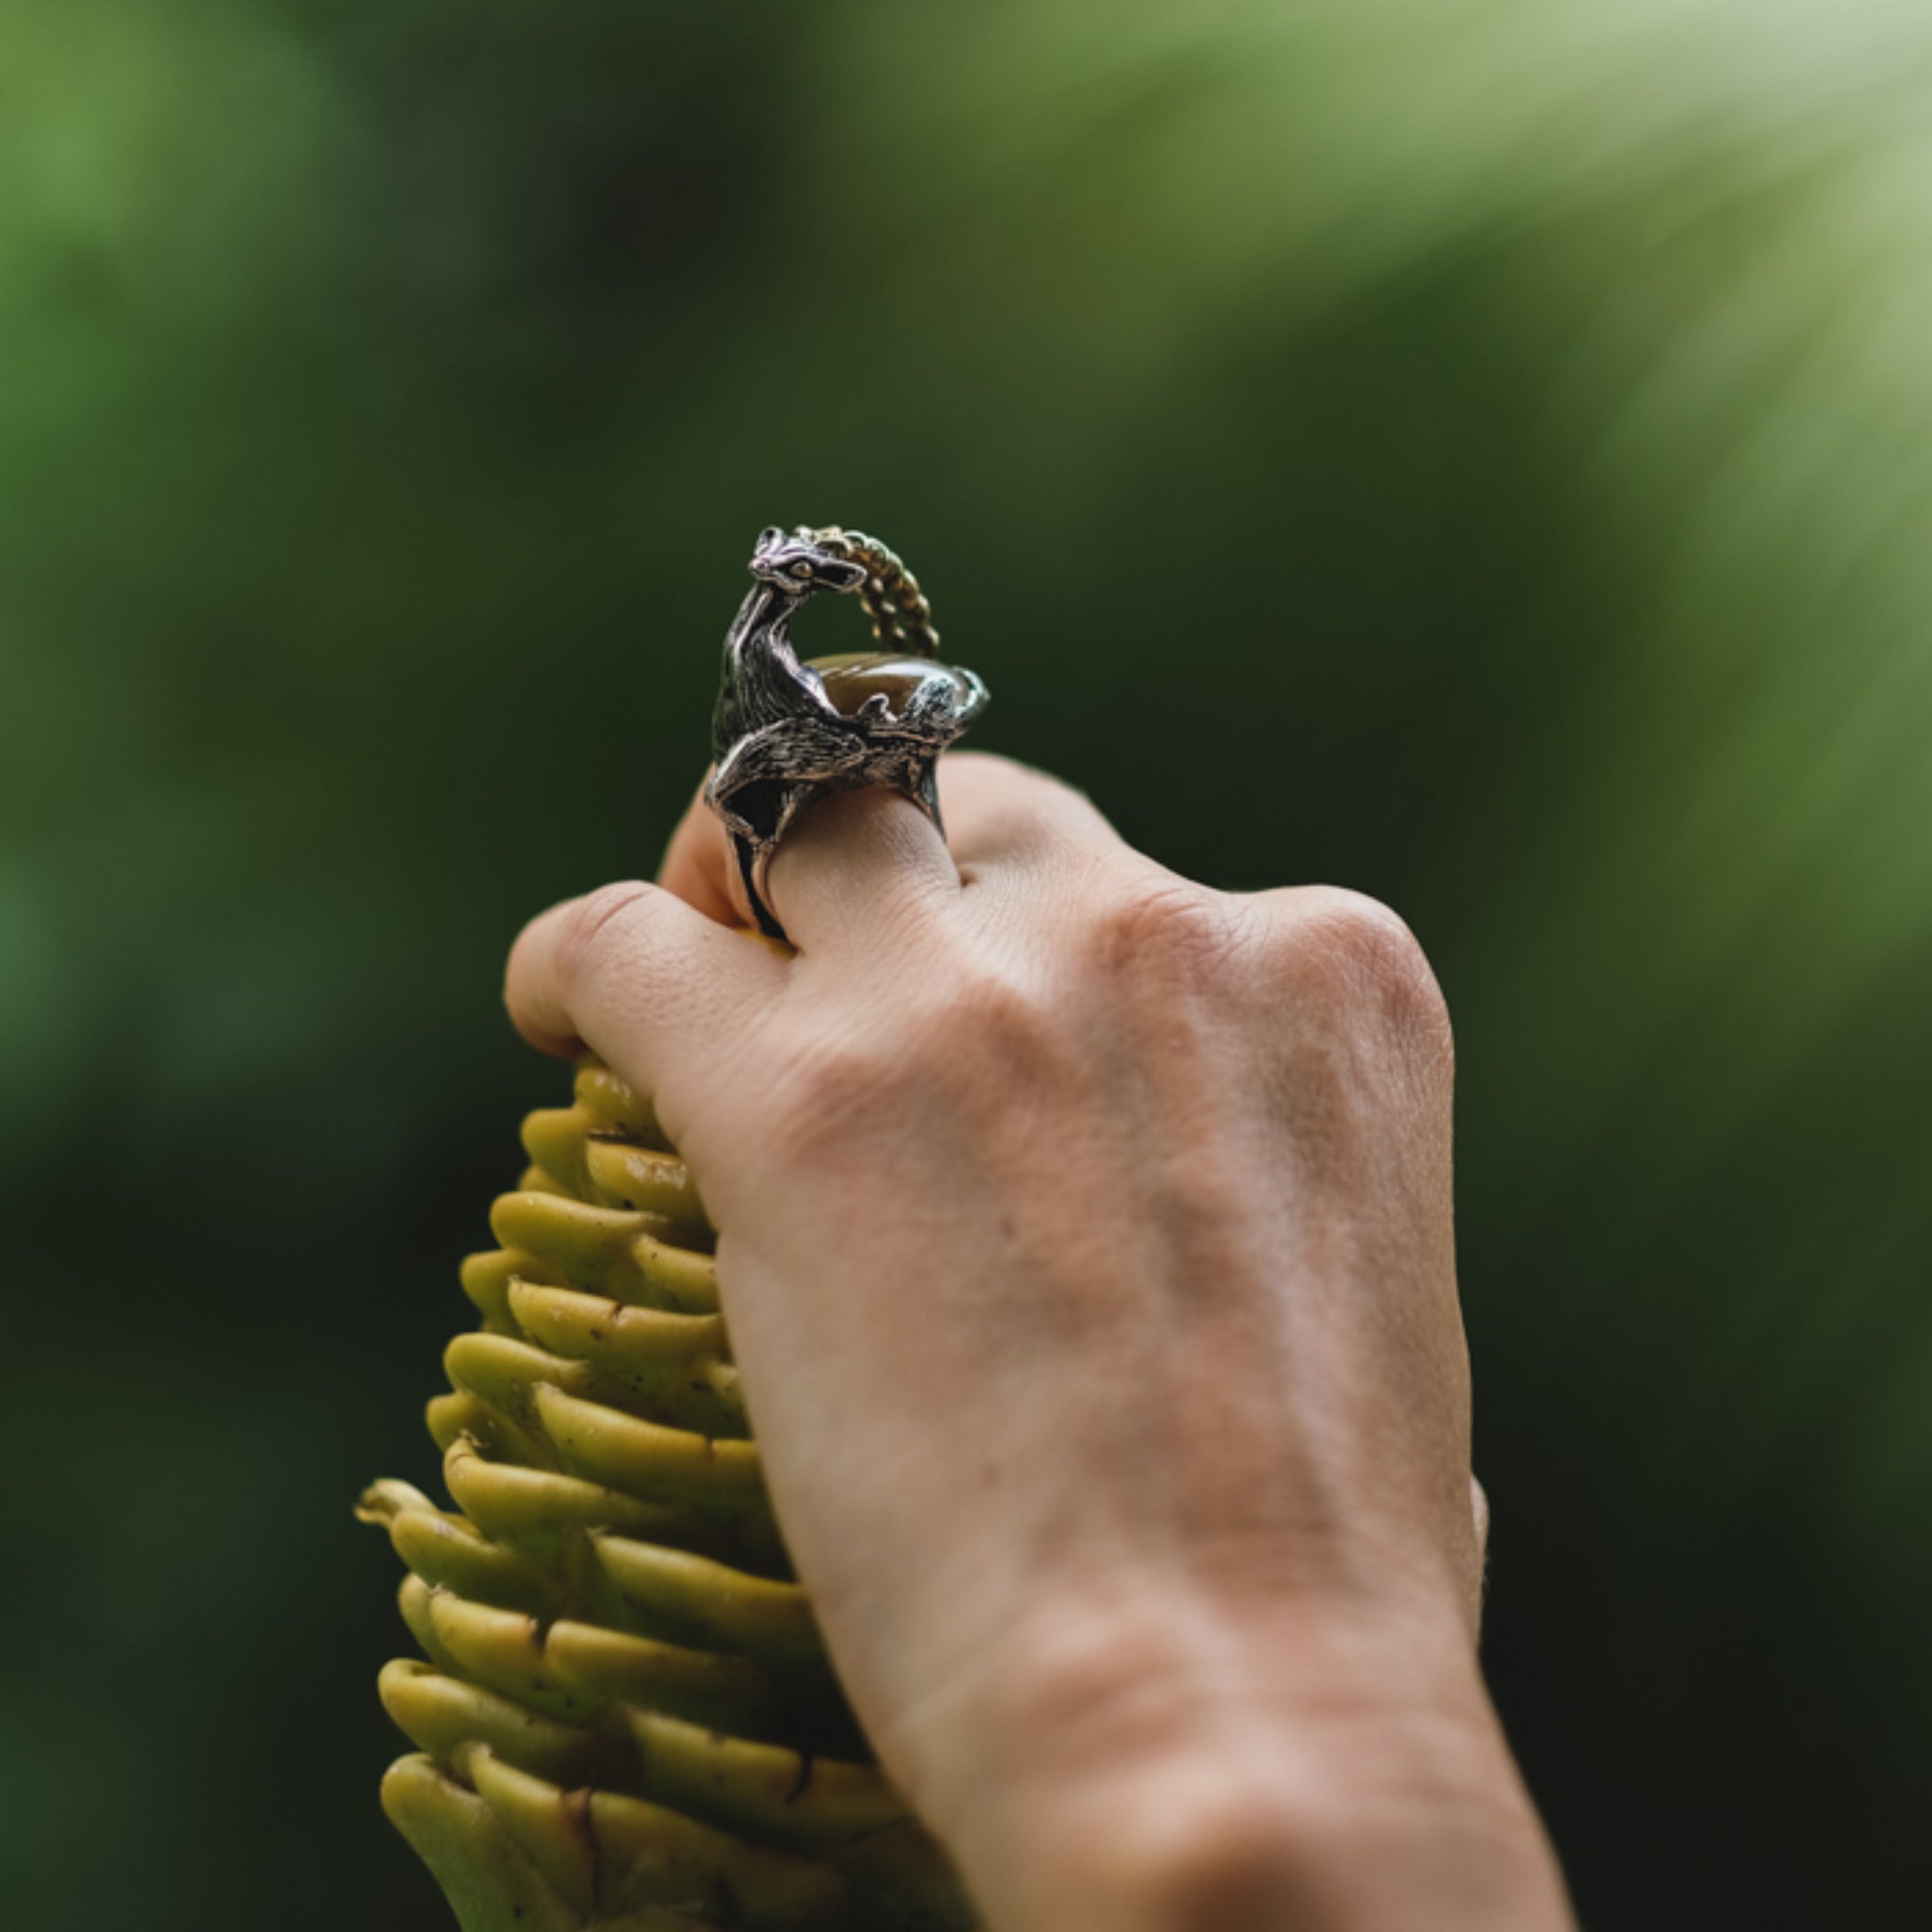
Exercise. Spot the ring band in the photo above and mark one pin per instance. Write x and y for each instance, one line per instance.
(786, 733)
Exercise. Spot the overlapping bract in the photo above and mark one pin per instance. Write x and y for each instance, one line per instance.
(627, 1722)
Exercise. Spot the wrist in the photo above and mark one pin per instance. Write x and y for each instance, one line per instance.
(1170, 1768)
(1219, 1838)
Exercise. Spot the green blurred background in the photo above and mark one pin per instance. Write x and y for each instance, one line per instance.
(1506, 427)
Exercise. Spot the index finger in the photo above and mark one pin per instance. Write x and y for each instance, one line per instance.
(632, 973)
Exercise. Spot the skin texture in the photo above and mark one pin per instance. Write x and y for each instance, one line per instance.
(1086, 1246)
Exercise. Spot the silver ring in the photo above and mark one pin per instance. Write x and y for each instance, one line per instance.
(786, 733)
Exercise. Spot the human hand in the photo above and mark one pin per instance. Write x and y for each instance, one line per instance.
(1085, 1237)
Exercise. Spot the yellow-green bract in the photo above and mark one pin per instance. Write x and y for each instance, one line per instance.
(626, 1721)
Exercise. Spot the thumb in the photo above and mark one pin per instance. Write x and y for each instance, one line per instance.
(699, 868)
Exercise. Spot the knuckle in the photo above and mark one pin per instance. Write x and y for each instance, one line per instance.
(1364, 932)
(975, 1034)
(1007, 809)
(983, 769)
(1369, 955)
(1165, 927)
(985, 775)
(596, 927)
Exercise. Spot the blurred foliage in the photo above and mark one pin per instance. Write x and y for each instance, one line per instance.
(1507, 427)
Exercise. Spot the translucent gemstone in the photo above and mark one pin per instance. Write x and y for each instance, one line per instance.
(854, 676)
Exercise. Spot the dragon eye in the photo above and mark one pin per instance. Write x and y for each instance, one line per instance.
(801, 569)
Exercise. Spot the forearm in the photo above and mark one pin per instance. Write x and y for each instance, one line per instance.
(1185, 1766)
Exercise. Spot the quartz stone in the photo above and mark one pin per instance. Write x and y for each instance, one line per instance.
(851, 677)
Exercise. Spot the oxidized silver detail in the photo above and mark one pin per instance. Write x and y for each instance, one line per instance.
(779, 741)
